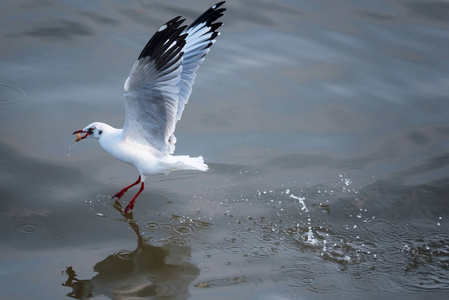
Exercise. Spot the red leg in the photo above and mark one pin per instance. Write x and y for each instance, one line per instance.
(123, 191)
(131, 203)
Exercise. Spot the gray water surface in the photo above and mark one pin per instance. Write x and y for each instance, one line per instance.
(324, 124)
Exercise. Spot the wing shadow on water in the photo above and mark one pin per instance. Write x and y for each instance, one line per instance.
(139, 274)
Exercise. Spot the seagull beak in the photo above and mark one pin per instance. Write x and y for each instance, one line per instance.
(79, 137)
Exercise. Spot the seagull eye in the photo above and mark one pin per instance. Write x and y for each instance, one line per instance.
(91, 129)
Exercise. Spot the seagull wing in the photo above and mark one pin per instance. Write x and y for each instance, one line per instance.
(161, 79)
(201, 35)
(151, 89)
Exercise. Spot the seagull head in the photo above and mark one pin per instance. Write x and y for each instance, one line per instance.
(94, 130)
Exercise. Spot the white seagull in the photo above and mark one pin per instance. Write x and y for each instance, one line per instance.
(156, 92)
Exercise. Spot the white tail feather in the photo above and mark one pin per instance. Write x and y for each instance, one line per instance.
(196, 163)
(185, 162)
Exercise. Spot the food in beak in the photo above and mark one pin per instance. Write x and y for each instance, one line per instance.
(79, 137)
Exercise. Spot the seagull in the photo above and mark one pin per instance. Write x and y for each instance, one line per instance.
(156, 93)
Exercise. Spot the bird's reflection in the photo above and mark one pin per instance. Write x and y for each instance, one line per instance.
(139, 274)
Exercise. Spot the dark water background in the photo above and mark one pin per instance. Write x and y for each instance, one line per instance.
(324, 123)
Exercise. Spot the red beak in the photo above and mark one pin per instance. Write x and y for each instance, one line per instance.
(79, 137)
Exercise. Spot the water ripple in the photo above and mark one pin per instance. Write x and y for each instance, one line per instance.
(183, 229)
(427, 263)
(166, 227)
(202, 224)
(386, 231)
(27, 228)
(123, 254)
(222, 282)
(180, 241)
(11, 94)
(296, 275)
(152, 225)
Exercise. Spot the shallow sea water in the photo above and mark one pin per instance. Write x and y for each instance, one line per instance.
(324, 124)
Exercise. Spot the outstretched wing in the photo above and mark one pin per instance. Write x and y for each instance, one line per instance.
(161, 79)
(151, 89)
(201, 35)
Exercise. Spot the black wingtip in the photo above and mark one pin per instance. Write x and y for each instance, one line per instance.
(158, 47)
(218, 4)
(210, 15)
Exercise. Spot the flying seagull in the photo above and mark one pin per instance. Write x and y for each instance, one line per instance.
(156, 92)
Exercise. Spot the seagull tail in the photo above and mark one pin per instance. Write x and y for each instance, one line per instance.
(185, 162)
(197, 163)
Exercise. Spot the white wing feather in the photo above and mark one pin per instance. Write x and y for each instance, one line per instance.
(161, 80)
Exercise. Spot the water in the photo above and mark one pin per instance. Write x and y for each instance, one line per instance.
(324, 125)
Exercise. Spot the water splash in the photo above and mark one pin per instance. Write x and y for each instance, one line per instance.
(301, 201)
(309, 236)
(346, 182)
